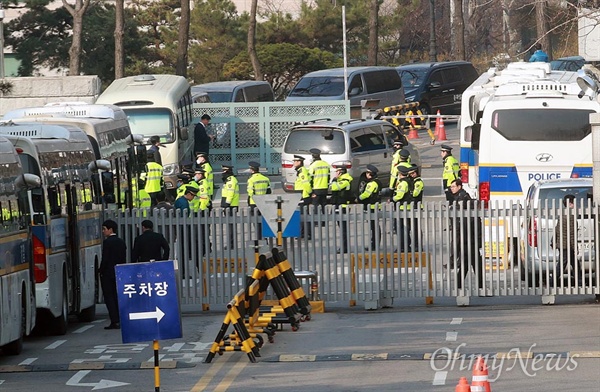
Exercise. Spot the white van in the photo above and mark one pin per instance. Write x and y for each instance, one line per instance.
(352, 143)
(364, 83)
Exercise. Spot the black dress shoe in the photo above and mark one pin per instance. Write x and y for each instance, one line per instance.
(113, 326)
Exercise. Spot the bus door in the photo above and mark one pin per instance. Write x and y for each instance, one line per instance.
(73, 240)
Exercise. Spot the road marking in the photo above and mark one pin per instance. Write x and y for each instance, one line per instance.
(451, 336)
(102, 384)
(175, 347)
(205, 380)
(439, 378)
(28, 361)
(231, 375)
(456, 321)
(83, 329)
(54, 345)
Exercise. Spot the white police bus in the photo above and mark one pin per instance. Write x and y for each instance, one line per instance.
(110, 135)
(17, 300)
(66, 219)
(520, 125)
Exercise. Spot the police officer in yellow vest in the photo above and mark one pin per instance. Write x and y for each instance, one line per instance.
(303, 185)
(202, 161)
(230, 198)
(395, 161)
(154, 178)
(451, 169)
(319, 173)
(258, 184)
(369, 195)
(341, 191)
(418, 188)
(403, 199)
(141, 199)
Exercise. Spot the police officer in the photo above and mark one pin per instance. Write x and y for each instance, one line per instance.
(204, 207)
(141, 198)
(418, 187)
(369, 195)
(183, 202)
(450, 172)
(202, 162)
(258, 184)
(230, 199)
(319, 171)
(398, 145)
(341, 191)
(403, 200)
(155, 148)
(154, 178)
(303, 185)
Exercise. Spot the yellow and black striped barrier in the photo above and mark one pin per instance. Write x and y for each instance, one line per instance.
(290, 278)
(243, 341)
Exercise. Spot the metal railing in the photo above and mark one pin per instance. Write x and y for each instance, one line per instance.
(503, 250)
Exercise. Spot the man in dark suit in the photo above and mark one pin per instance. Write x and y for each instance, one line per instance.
(114, 251)
(149, 245)
(201, 138)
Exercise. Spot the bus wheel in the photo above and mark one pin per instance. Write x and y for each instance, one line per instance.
(60, 323)
(15, 347)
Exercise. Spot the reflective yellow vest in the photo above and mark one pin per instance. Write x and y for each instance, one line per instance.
(154, 173)
(451, 169)
(319, 171)
(231, 192)
(258, 184)
(303, 182)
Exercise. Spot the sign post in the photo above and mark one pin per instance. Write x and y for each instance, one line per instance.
(148, 305)
(282, 221)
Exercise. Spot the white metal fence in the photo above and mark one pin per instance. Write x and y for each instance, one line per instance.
(517, 253)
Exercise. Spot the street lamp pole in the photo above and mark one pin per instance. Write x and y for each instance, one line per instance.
(1, 41)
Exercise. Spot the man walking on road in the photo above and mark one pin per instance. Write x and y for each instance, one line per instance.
(201, 137)
(114, 251)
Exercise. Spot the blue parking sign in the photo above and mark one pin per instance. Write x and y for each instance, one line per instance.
(148, 301)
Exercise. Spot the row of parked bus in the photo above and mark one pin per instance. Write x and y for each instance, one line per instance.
(61, 166)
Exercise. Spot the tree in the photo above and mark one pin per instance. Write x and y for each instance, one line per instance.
(184, 36)
(119, 31)
(40, 39)
(77, 11)
(542, 26)
(373, 32)
(217, 34)
(283, 64)
(458, 30)
(252, 42)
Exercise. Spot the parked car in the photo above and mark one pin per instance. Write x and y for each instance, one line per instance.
(234, 91)
(543, 203)
(571, 63)
(354, 143)
(437, 86)
(364, 83)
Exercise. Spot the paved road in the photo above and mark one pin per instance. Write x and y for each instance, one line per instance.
(552, 348)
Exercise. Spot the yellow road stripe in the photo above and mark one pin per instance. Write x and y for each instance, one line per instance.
(232, 374)
(209, 375)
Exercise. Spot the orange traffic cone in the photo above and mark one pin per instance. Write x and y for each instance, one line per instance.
(480, 382)
(413, 133)
(440, 130)
(463, 385)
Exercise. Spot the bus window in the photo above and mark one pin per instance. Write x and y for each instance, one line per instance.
(54, 200)
(108, 187)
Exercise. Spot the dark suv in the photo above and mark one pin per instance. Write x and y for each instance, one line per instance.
(437, 86)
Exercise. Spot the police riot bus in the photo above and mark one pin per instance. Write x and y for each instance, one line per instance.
(17, 300)
(66, 219)
(520, 125)
(110, 135)
(157, 105)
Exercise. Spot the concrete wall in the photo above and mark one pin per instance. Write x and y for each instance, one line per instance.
(38, 91)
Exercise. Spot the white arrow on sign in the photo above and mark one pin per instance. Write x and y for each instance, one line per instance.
(102, 384)
(158, 315)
